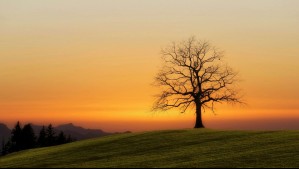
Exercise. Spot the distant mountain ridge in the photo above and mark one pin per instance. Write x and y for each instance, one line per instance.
(76, 132)
(81, 133)
(4, 132)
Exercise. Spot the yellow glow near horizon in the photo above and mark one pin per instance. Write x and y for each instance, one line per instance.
(93, 62)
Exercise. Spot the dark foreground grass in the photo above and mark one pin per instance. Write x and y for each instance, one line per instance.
(181, 148)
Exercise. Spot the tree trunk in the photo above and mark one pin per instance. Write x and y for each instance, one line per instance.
(198, 123)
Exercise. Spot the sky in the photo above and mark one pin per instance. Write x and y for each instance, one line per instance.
(92, 62)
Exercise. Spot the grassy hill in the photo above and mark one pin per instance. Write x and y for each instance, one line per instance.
(179, 148)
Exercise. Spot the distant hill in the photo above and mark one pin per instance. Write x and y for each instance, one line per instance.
(76, 132)
(36, 129)
(4, 132)
(81, 133)
(195, 148)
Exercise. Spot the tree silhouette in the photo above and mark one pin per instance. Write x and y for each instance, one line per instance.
(28, 137)
(50, 135)
(69, 139)
(194, 75)
(42, 141)
(3, 147)
(16, 137)
(61, 139)
(8, 147)
(24, 138)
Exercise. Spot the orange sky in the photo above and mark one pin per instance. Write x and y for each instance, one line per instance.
(92, 62)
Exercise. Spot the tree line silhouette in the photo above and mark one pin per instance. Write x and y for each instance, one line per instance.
(23, 138)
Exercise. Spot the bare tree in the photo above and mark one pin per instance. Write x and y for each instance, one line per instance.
(194, 75)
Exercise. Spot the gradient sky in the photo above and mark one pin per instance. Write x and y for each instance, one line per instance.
(92, 62)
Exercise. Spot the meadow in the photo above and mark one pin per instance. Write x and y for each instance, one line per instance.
(173, 148)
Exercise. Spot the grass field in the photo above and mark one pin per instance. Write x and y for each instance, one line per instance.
(178, 148)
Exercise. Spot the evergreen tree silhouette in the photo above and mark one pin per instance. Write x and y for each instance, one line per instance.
(61, 138)
(50, 135)
(16, 137)
(69, 139)
(28, 137)
(3, 147)
(24, 138)
(8, 148)
(42, 140)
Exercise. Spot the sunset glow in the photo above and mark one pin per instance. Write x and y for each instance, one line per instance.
(92, 63)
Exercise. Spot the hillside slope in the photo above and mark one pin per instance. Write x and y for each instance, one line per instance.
(180, 148)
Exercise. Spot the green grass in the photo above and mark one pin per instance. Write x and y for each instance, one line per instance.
(178, 148)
